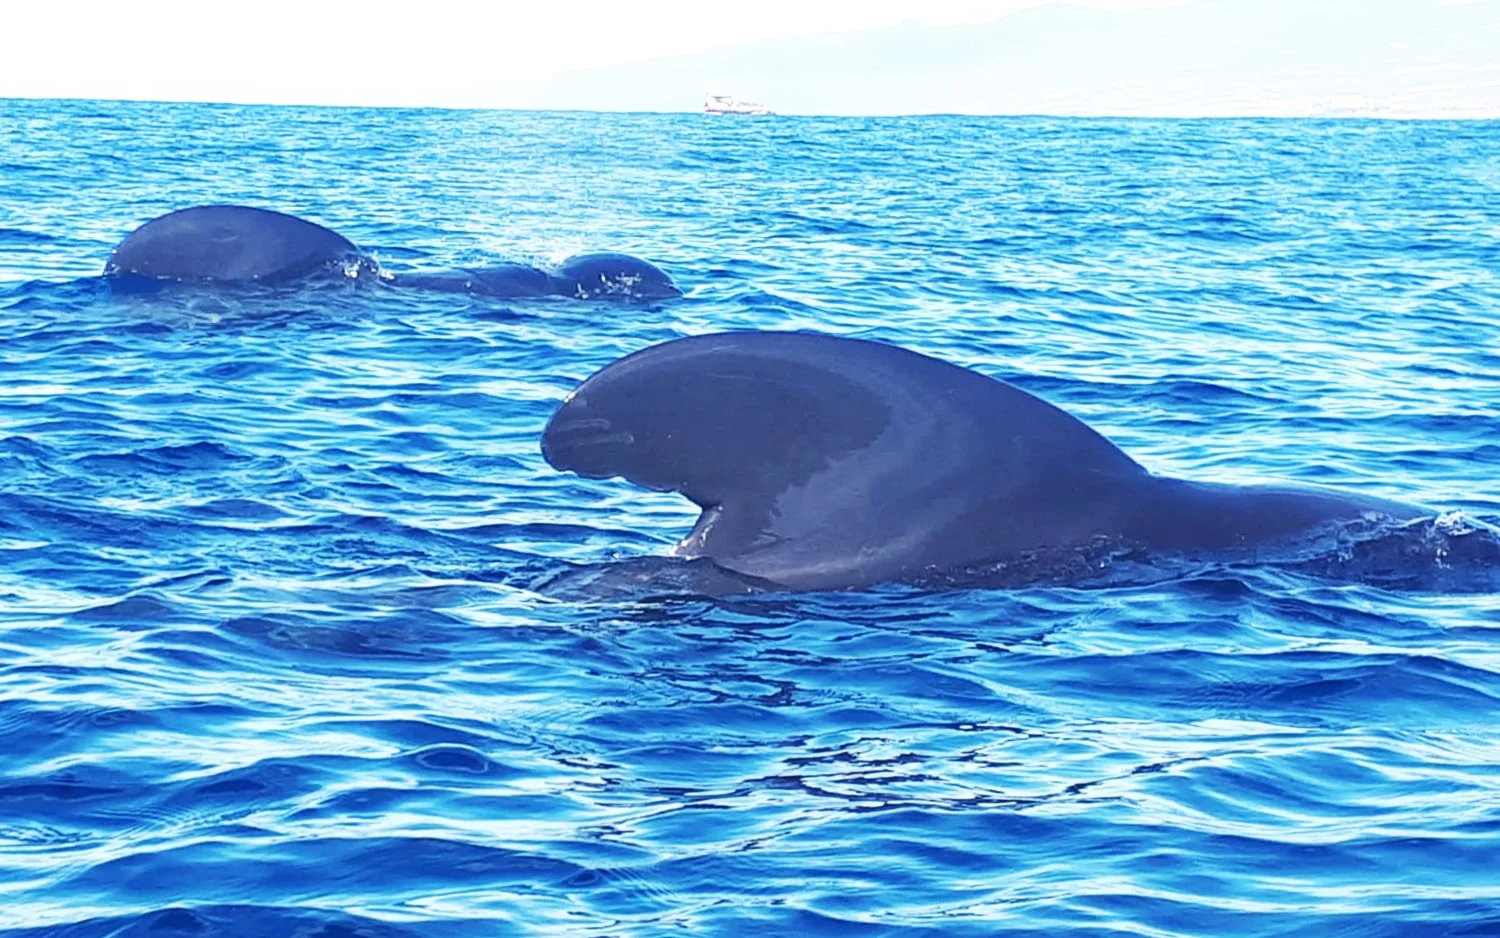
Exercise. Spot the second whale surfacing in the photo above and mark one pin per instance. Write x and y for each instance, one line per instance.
(234, 244)
(822, 462)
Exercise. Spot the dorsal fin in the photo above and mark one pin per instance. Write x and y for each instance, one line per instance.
(826, 461)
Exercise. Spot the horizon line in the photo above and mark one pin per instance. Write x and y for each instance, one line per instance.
(1333, 114)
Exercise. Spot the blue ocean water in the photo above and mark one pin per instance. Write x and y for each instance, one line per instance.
(273, 659)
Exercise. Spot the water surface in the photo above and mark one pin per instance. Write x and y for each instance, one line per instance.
(271, 656)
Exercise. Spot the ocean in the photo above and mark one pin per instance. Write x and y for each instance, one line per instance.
(276, 652)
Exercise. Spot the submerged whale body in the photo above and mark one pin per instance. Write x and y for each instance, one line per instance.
(501, 280)
(227, 243)
(585, 277)
(242, 244)
(829, 463)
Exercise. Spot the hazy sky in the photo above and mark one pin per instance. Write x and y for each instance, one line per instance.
(433, 53)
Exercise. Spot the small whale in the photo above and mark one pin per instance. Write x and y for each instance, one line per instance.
(822, 463)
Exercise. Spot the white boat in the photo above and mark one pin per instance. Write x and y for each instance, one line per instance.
(720, 103)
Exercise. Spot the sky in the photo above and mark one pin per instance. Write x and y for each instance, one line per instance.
(586, 53)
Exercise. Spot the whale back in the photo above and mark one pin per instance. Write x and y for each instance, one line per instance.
(825, 462)
(226, 243)
(610, 274)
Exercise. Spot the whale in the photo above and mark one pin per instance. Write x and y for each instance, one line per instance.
(612, 275)
(229, 244)
(246, 244)
(822, 462)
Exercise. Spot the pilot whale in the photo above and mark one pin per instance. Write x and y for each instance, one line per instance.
(227, 243)
(244, 244)
(822, 462)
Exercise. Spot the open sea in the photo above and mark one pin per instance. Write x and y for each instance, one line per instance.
(276, 658)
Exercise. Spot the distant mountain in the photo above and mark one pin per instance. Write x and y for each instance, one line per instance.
(1208, 57)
